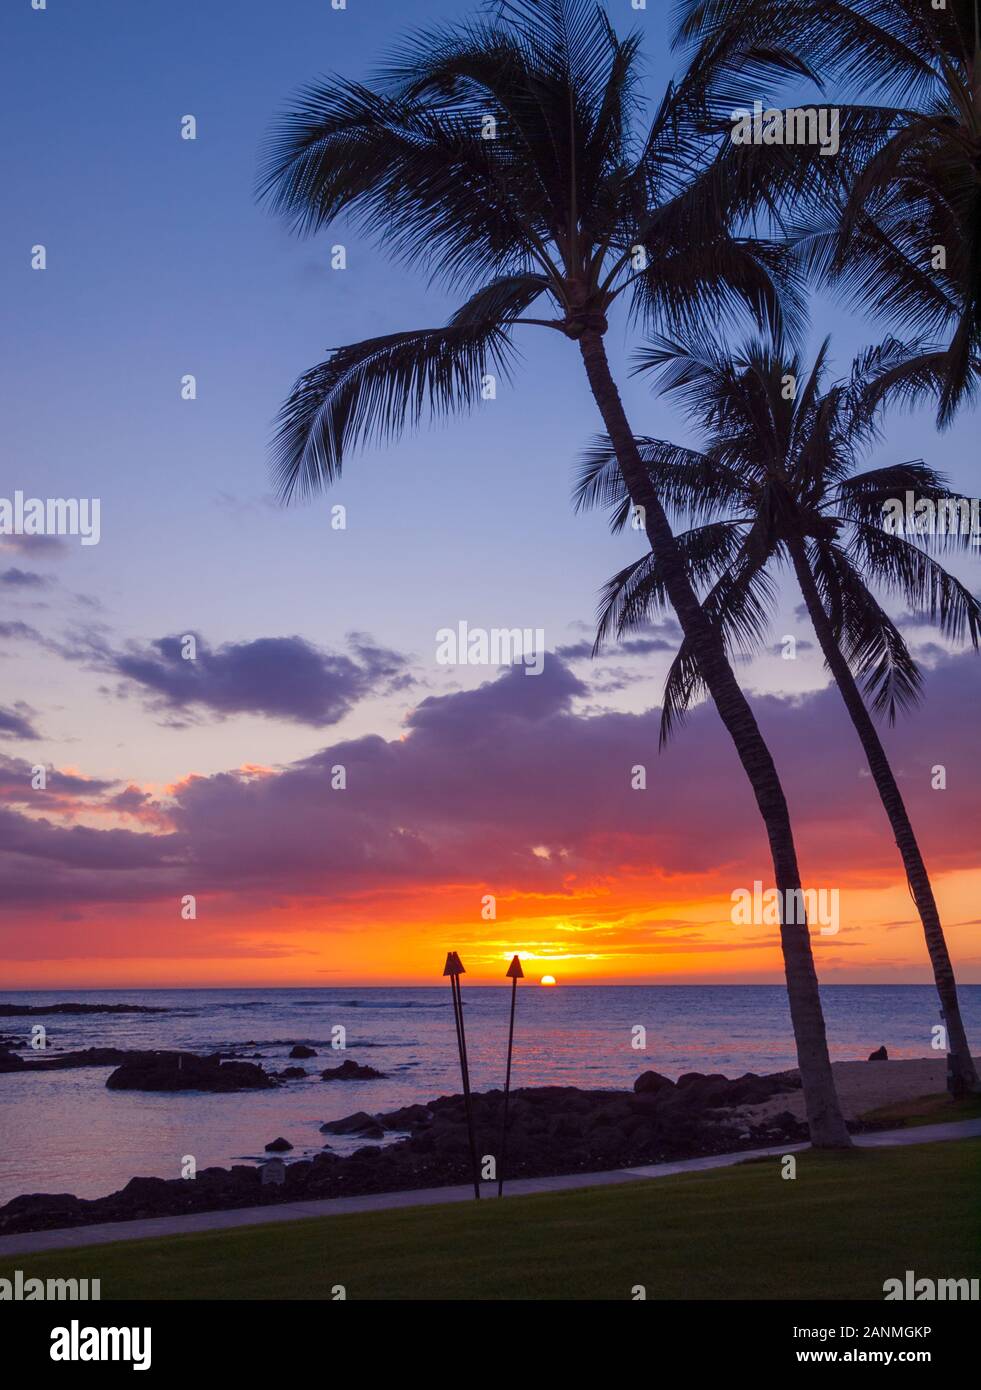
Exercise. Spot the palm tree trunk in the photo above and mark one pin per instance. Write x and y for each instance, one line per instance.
(827, 1124)
(962, 1076)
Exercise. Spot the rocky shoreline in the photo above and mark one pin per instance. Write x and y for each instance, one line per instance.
(551, 1130)
(160, 1070)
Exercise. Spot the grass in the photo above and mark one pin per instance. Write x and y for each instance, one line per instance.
(846, 1223)
(925, 1110)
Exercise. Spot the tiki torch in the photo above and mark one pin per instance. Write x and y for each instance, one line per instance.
(514, 974)
(454, 969)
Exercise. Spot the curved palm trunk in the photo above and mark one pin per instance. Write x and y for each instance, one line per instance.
(962, 1076)
(827, 1125)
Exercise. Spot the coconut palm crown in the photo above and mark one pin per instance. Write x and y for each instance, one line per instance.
(894, 223)
(510, 158)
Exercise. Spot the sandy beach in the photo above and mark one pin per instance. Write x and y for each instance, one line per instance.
(864, 1086)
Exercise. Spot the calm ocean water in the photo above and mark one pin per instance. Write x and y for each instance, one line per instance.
(64, 1132)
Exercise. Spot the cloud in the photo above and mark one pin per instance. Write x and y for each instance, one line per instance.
(509, 788)
(65, 790)
(17, 631)
(278, 677)
(15, 578)
(37, 547)
(23, 632)
(661, 636)
(15, 723)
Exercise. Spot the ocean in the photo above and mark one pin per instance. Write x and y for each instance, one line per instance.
(64, 1132)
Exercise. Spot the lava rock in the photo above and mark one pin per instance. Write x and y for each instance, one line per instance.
(788, 1125)
(357, 1123)
(754, 1090)
(650, 1082)
(64, 1204)
(87, 1057)
(407, 1118)
(278, 1146)
(301, 1050)
(183, 1071)
(350, 1071)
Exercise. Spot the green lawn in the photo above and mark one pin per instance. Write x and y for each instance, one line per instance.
(925, 1110)
(846, 1223)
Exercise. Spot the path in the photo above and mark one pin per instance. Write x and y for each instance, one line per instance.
(32, 1242)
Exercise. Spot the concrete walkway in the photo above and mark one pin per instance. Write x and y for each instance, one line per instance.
(76, 1236)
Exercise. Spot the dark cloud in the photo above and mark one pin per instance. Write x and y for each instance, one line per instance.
(15, 578)
(643, 646)
(80, 846)
(643, 640)
(130, 800)
(62, 789)
(574, 651)
(22, 632)
(15, 723)
(514, 696)
(279, 677)
(36, 547)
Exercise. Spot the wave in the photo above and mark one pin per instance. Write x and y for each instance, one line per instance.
(372, 1004)
(324, 1044)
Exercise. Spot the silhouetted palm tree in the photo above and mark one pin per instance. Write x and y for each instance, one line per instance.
(895, 220)
(776, 483)
(504, 156)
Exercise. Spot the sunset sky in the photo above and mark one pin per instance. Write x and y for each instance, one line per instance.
(317, 647)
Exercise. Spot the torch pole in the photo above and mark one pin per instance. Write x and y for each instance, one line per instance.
(514, 973)
(455, 968)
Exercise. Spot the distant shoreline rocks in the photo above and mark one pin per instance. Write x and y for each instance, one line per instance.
(28, 1010)
(62, 1061)
(351, 1071)
(184, 1071)
(152, 1070)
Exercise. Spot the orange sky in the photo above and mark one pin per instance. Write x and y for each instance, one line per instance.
(581, 939)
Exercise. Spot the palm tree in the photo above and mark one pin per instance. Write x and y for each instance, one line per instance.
(503, 156)
(896, 222)
(776, 482)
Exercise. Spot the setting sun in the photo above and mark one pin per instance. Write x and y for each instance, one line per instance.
(547, 980)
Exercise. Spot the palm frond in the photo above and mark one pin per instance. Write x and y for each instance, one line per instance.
(419, 179)
(687, 482)
(740, 604)
(372, 390)
(906, 569)
(866, 43)
(870, 641)
(637, 593)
